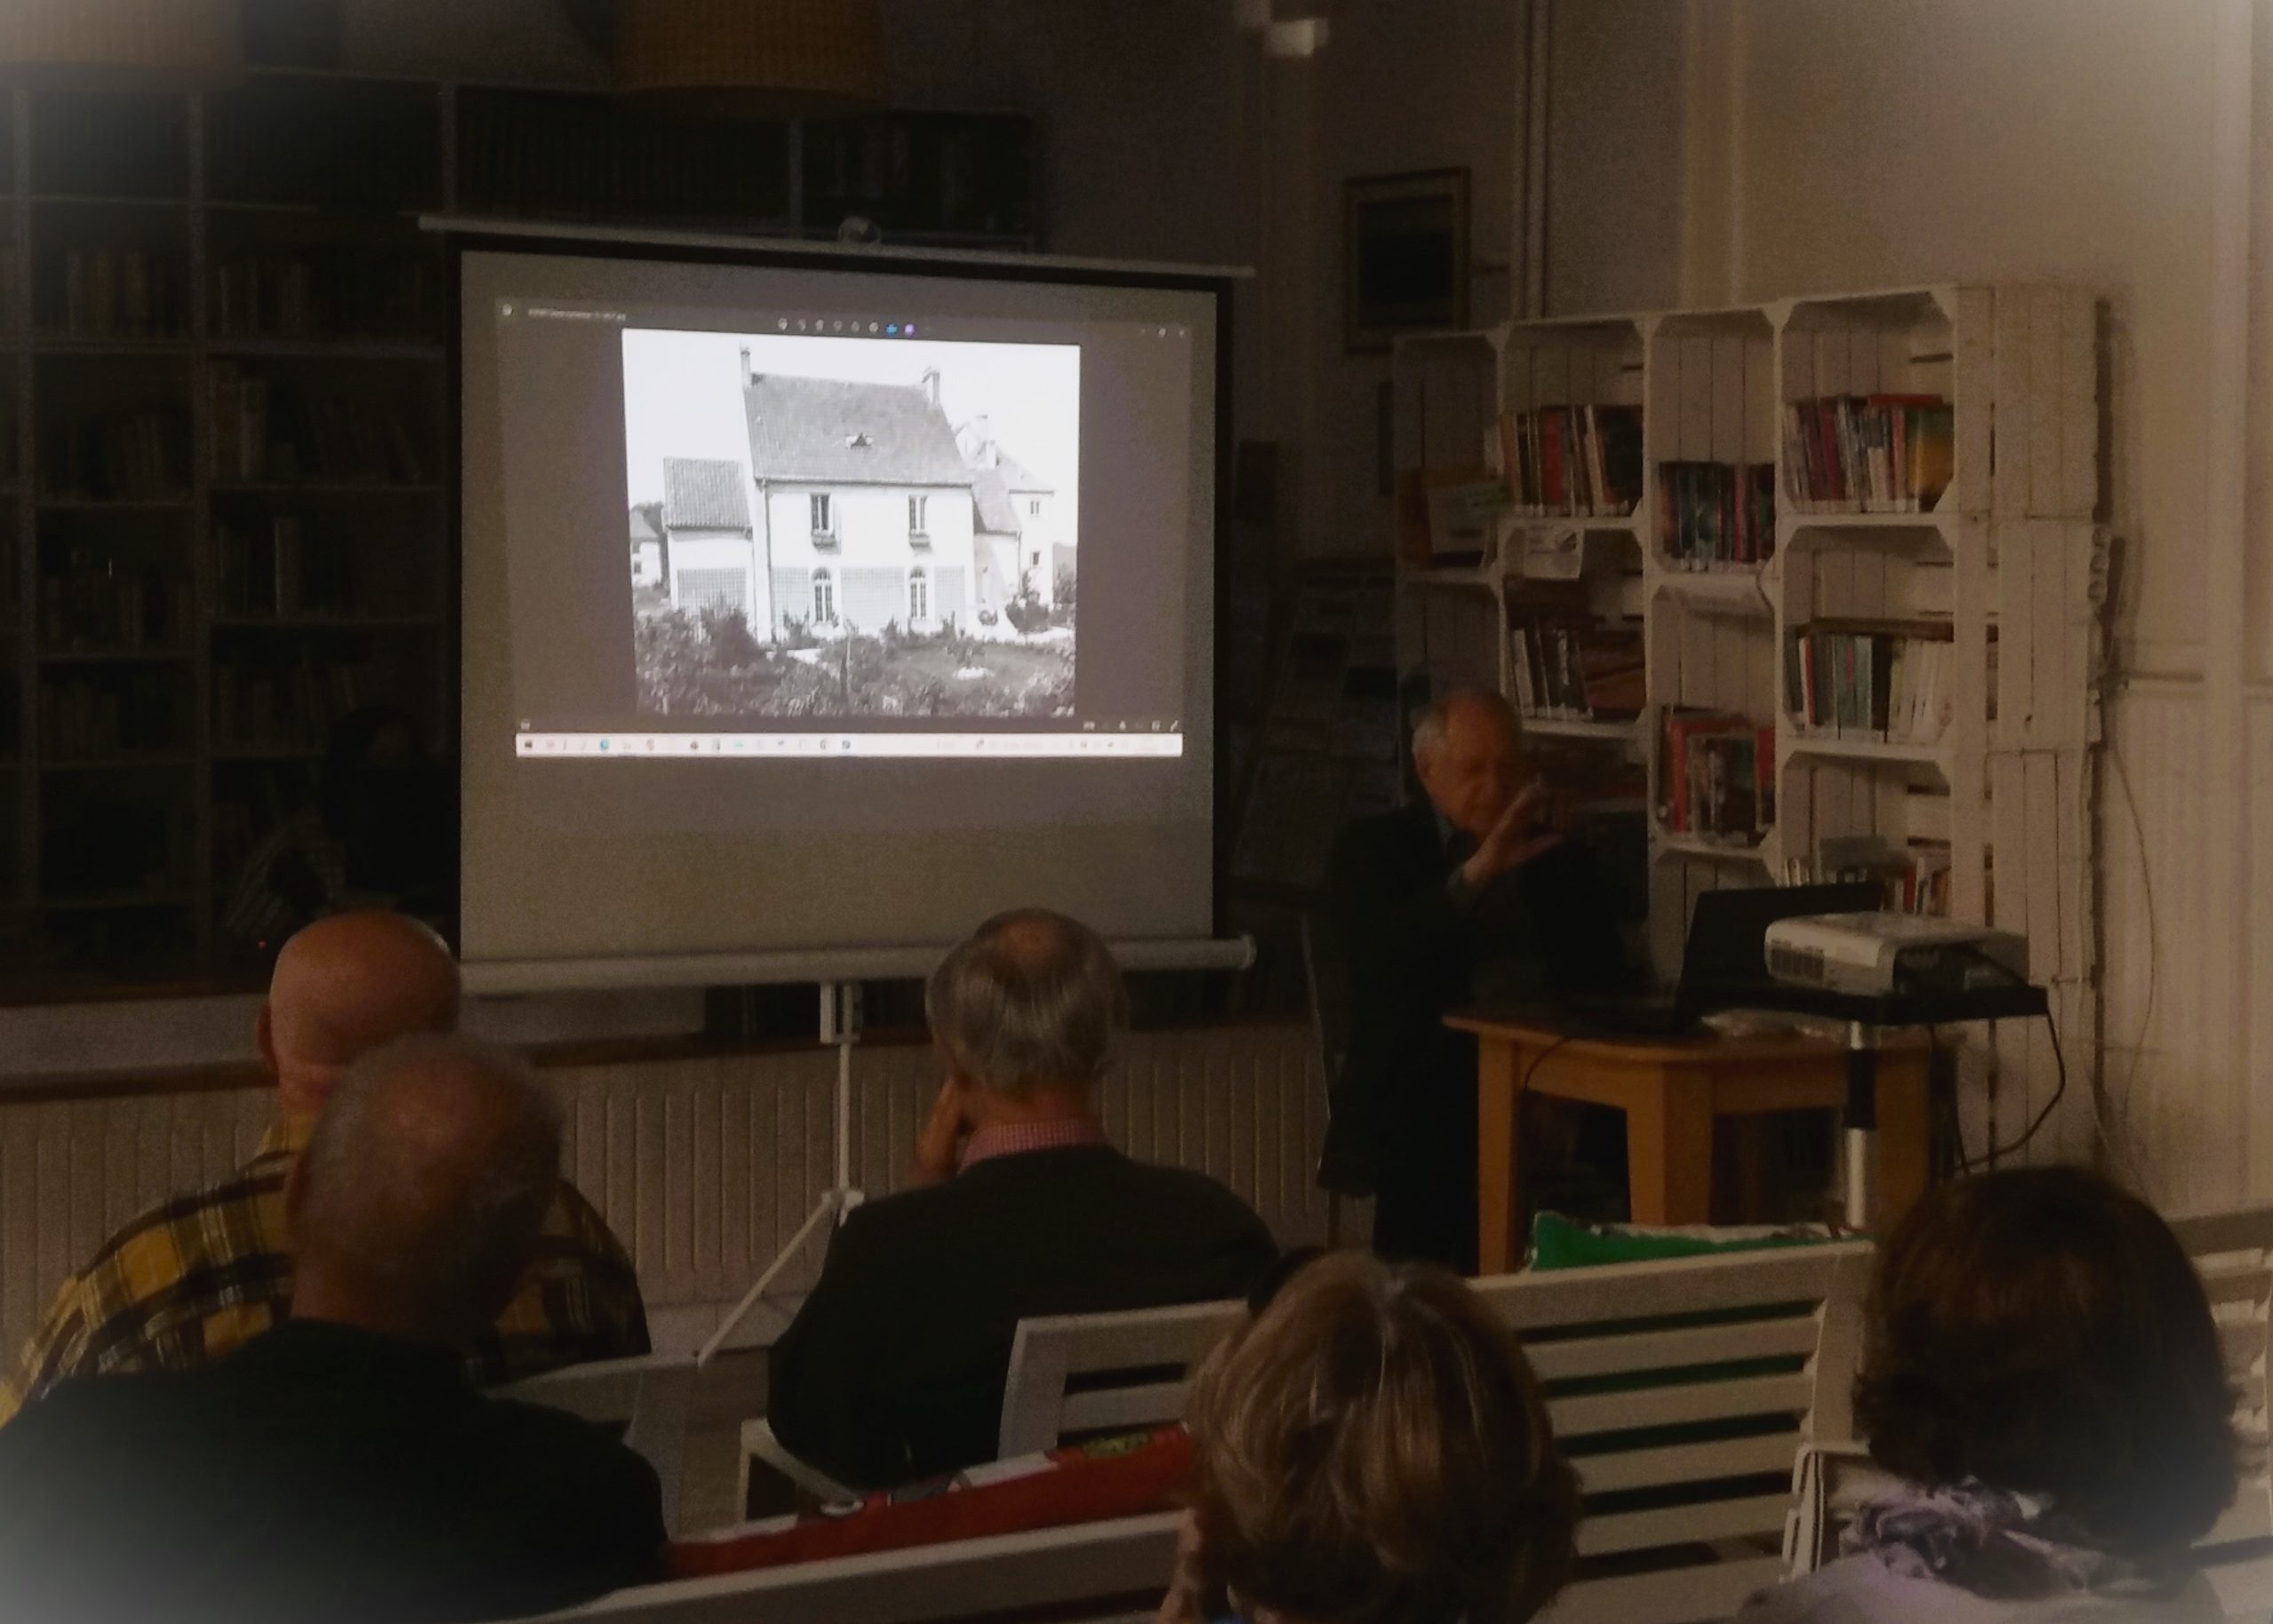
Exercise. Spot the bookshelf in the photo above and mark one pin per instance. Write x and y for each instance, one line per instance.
(224, 509)
(1918, 669)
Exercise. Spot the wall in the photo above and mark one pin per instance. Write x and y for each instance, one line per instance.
(1412, 84)
(1821, 145)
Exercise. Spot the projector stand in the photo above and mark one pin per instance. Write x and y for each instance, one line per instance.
(1862, 1120)
(840, 1028)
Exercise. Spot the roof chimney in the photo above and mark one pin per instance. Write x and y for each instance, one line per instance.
(747, 374)
(930, 384)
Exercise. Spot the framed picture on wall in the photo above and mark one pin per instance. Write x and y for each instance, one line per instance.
(1404, 257)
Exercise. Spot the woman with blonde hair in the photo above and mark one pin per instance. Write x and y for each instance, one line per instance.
(1372, 1448)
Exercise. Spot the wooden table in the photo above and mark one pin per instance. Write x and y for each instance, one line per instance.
(1671, 1089)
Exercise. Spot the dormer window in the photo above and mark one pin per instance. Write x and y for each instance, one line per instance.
(824, 510)
(858, 442)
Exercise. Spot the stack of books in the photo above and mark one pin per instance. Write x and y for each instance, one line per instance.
(1574, 462)
(1580, 670)
(1869, 453)
(1716, 776)
(1890, 682)
(1715, 515)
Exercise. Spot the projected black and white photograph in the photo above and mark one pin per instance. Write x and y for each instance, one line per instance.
(852, 528)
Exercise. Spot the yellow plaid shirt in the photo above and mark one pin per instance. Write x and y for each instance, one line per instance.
(197, 1277)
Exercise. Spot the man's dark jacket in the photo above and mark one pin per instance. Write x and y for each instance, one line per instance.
(894, 1368)
(317, 1473)
(1414, 947)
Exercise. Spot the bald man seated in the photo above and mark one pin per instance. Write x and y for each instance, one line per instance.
(894, 1368)
(340, 1467)
(198, 1276)
(1473, 893)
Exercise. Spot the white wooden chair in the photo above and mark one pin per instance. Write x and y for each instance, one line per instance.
(1073, 1374)
(660, 1401)
(1683, 1391)
(1111, 1564)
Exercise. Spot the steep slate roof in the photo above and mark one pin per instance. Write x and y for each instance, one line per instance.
(704, 494)
(1020, 478)
(998, 515)
(645, 522)
(803, 429)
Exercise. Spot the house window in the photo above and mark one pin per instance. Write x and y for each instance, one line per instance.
(1034, 507)
(824, 515)
(919, 511)
(1036, 559)
(919, 597)
(824, 597)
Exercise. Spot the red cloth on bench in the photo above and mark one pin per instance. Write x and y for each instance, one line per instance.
(1090, 1483)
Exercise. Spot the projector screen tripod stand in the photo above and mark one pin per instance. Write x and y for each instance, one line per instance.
(840, 1029)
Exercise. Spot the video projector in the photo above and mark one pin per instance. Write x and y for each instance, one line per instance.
(1899, 954)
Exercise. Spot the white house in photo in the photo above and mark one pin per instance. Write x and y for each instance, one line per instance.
(710, 548)
(1018, 516)
(648, 544)
(865, 503)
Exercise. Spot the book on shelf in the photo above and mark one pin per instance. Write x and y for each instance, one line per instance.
(1716, 775)
(267, 431)
(1568, 670)
(1887, 682)
(117, 454)
(1915, 877)
(319, 294)
(1573, 461)
(1715, 515)
(111, 292)
(1870, 453)
(288, 703)
(86, 717)
(90, 603)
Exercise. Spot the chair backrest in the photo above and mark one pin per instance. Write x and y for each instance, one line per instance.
(1683, 1391)
(2233, 1252)
(1110, 1566)
(657, 1400)
(1072, 1374)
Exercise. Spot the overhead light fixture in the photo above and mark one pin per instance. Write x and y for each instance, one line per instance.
(121, 44)
(778, 58)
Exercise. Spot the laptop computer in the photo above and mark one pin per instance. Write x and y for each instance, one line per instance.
(1724, 957)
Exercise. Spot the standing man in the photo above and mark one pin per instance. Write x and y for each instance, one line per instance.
(1474, 893)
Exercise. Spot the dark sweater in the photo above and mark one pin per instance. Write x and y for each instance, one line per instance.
(320, 1472)
(894, 1368)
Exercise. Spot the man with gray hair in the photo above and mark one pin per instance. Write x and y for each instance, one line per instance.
(340, 1466)
(1471, 893)
(894, 1368)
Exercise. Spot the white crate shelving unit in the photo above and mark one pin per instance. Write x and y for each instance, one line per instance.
(2012, 557)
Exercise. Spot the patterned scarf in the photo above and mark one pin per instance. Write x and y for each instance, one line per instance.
(1997, 1546)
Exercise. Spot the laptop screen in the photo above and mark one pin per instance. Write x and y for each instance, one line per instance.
(1726, 955)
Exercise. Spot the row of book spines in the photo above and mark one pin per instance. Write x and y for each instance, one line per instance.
(284, 296)
(1893, 685)
(124, 292)
(1574, 462)
(93, 607)
(1716, 514)
(259, 436)
(1873, 454)
(288, 704)
(1918, 881)
(1579, 670)
(82, 719)
(1717, 774)
(135, 452)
